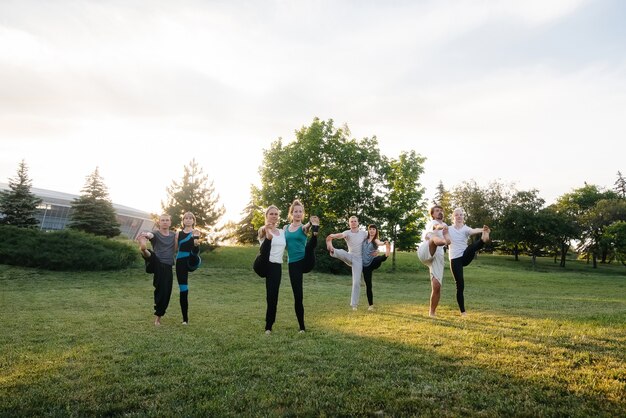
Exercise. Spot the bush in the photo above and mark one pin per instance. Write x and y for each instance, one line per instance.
(63, 250)
(324, 263)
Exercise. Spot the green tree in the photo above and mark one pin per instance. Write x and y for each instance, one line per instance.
(580, 204)
(483, 206)
(194, 193)
(403, 204)
(18, 205)
(520, 226)
(604, 213)
(245, 231)
(93, 212)
(615, 237)
(620, 185)
(443, 198)
(334, 176)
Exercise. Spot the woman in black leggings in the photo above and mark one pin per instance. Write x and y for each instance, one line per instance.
(462, 254)
(370, 261)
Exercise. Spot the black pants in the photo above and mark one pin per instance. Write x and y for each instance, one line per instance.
(162, 283)
(456, 266)
(296, 273)
(182, 275)
(367, 276)
(273, 273)
(309, 254)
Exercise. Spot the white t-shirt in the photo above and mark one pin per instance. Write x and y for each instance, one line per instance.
(428, 231)
(278, 247)
(355, 241)
(458, 238)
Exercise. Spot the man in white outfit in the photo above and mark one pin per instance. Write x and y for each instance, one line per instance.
(353, 257)
(430, 252)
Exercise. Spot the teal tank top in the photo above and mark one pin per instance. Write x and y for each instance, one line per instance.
(296, 241)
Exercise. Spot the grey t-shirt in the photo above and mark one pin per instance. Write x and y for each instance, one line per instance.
(163, 246)
(355, 241)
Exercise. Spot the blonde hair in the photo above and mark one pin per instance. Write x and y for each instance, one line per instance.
(295, 203)
(192, 216)
(270, 207)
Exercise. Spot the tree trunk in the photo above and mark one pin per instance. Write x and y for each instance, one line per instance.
(594, 257)
(563, 254)
(515, 251)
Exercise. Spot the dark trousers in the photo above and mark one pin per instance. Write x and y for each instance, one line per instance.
(182, 275)
(162, 283)
(456, 266)
(309, 254)
(273, 273)
(367, 276)
(296, 273)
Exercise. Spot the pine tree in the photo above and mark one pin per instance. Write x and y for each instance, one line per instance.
(18, 205)
(195, 194)
(620, 185)
(93, 211)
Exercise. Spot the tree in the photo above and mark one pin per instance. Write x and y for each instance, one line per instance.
(403, 205)
(604, 213)
(194, 193)
(520, 225)
(93, 212)
(245, 231)
(620, 185)
(615, 236)
(443, 198)
(18, 205)
(334, 176)
(482, 206)
(580, 204)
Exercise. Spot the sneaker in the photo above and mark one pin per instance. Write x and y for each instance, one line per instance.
(301, 331)
(268, 331)
(185, 323)
(370, 308)
(354, 308)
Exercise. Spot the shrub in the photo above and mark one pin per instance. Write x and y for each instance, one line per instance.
(63, 250)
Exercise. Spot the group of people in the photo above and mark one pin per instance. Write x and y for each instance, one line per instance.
(170, 249)
(181, 249)
(435, 237)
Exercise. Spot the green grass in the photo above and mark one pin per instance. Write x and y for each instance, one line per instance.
(544, 342)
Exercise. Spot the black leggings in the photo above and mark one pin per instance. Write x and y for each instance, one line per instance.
(456, 266)
(367, 276)
(309, 254)
(272, 286)
(182, 275)
(296, 270)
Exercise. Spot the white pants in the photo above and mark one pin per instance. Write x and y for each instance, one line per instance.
(434, 262)
(356, 261)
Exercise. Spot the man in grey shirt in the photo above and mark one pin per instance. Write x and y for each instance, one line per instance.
(164, 245)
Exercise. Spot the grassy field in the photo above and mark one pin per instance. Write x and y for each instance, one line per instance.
(544, 342)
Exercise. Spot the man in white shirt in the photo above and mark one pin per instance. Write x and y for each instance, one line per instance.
(430, 252)
(354, 238)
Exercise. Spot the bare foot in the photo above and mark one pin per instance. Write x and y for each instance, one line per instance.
(485, 235)
(432, 314)
(315, 224)
(157, 320)
(446, 235)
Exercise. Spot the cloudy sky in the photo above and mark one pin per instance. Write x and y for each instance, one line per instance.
(531, 92)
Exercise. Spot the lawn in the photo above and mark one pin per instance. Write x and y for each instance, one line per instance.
(536, 342)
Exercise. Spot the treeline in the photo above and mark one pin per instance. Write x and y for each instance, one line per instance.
(589, 220)
(337, 176)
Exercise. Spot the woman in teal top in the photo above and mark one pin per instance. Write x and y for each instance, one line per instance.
(299, 253)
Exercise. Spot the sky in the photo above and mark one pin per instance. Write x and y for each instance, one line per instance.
(530, 93)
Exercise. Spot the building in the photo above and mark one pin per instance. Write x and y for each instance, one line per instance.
(54, 212)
